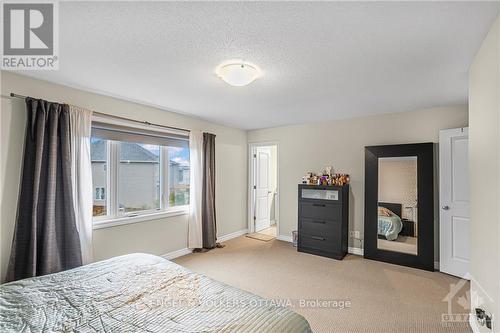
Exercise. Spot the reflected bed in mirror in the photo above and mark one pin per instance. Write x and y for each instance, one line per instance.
(397, 202)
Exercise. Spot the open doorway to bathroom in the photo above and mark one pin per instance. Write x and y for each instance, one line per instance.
(263, 192)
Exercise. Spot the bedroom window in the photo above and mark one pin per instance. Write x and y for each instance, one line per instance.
(137, 174)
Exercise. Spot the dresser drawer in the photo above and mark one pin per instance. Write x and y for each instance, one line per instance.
(319, 210)
(319, 227)
(328, 243)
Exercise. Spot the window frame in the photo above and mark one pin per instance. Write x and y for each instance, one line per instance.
(113, 215)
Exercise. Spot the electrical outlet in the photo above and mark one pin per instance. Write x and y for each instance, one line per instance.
(354, 234)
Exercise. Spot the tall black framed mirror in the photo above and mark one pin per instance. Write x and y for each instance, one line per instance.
(399, 204)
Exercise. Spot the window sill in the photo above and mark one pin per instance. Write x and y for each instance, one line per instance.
(113, 222)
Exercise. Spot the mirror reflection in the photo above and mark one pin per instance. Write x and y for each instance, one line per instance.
(397, 204)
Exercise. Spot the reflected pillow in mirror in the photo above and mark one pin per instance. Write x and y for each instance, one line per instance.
(382, 211)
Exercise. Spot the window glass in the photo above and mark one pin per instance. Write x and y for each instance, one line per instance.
(99, 156)
(138, 177)
(135, 173)
(178, 171)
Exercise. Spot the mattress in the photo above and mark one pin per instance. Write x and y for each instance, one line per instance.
(389, 226)
(137, 293)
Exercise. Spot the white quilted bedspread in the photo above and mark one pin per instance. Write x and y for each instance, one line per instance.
(137, 293)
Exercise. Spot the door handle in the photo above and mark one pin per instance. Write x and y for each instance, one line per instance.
(318, 238)
(445, 208)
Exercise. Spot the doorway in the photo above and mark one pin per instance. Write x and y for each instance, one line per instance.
(263, 222)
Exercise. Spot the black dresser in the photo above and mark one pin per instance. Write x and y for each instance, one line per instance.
(324, 220)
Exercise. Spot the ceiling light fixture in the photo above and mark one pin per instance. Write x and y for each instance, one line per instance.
(238, 73)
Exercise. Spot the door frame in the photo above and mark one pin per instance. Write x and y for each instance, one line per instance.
(251, 193)
(425, 180)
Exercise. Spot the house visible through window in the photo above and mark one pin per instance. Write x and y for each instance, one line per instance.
(100, 193)
(137, 172)
(179, 176)
(138, 177)
(98, 154)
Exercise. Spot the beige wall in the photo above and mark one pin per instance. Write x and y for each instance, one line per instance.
(484, 161)
(157, 237)
(341, 143)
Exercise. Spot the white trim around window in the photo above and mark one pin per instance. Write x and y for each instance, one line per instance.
(135, 218)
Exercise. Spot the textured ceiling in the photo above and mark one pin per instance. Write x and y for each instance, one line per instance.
(320, 60)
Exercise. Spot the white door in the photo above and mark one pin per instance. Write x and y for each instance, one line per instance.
(262, 188)
(454, 201)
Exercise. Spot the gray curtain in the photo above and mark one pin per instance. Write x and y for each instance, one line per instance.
(45, 237)
(209, 225)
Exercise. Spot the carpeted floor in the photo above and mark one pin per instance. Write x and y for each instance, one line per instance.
(383, 297)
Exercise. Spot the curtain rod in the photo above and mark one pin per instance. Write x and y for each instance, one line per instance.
(121, 118)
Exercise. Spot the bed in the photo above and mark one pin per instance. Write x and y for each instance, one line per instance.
(137, 293)
(390, 226)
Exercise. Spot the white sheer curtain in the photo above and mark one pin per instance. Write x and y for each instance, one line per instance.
(196, 182)
(81, 177)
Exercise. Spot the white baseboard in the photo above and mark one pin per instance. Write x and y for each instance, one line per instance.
(473, 323)
(355, 250)
(285, 238)
(177, 253)
(232, 235)
(184, 251)
(351, 250)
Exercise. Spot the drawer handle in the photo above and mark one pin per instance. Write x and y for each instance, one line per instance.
(318, 221)
(318, 205)
(318, 238)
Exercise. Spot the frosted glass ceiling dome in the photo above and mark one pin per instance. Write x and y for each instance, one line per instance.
(238, 73)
